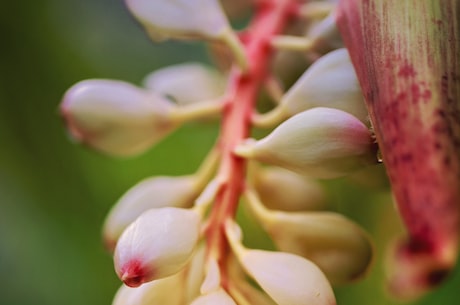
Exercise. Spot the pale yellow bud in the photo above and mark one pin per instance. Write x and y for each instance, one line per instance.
(115, 117)
(162, 291)
(155, 192)
(320, 142)
(195, 274)
(158, 244)
(334, 243)
(285, 190)
(217, 297)
(287, 278)
(186, 83)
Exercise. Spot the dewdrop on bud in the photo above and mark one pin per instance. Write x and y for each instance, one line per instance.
(186, 83)
(158, 244)
(219, 297)
(339, 247)
(285, 190)
(202, 19)
(321, 142)
(287, 278)
(162, 291)
(155, 192)
(116, 117)
(329, 82)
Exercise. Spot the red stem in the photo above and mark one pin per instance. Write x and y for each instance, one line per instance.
(270, 19)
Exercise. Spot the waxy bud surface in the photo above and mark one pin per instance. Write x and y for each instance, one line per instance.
(216, 297)
(155, 192)
(158, 244)
(320, 142)
(115, 117)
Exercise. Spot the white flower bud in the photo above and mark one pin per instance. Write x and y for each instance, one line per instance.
(155, 192)
(287, 278)
(217, 297)
(339, 247)
(285, 190)
(330, 82)
(158, 244)
(203, 19)
(115, 117)
(320, 142)
(186, 83)
(162, 291)
(195, 274)
(325, 35)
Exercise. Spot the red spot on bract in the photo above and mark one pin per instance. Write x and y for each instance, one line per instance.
(406, 71)
(133, 274)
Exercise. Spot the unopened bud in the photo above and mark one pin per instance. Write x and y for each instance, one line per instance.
(186, 83)
(320, 142)
(287, 278)
(182, 19)
(155, 192)
(285, 190)
(162, 291)
(325, 35)
(341, 249)
(219, 297)
(115, 117)
(329, 82)
(158, 244)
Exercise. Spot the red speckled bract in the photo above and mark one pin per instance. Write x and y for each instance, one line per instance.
(407, 58)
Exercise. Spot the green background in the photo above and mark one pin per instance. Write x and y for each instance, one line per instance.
(54, 194)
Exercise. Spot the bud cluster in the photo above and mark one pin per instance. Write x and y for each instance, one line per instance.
(175, 239)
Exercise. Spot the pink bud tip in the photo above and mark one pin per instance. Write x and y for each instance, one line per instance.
(133, 274)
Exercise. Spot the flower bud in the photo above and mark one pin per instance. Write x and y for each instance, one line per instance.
(115, 117)
(285, 190)
(329, 82)
(195, 274)
(158, 244)
(155, 192)
(219, 297)
(339, 247)
(325, 35)
(287, 278)
(186, 83)
(162, 291)
(320, 142)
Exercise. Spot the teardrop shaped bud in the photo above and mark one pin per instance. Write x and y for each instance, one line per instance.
(162, 291)
(329, 82)
(287, 278)
(195, 274)
(186, 83)
(115, 117)
(339, 247)
(202, 19)
(158, 244)
(216, 297)
(320, 142)
(154, 192)
(285, 190)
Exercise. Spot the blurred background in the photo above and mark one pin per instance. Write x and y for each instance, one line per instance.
(54, 194)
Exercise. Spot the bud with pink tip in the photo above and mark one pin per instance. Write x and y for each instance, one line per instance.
(320, 142)
(158, 244)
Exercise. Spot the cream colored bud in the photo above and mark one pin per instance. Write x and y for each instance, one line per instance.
(186, 83)
(115, 117)
(285, 190)
(155, 192)
(341, 249)
(217, 297)
(287, 278)
(162, 291)
(329, 82)
(320, 142)
(158, 244)
(325, 35)
(195, 274)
